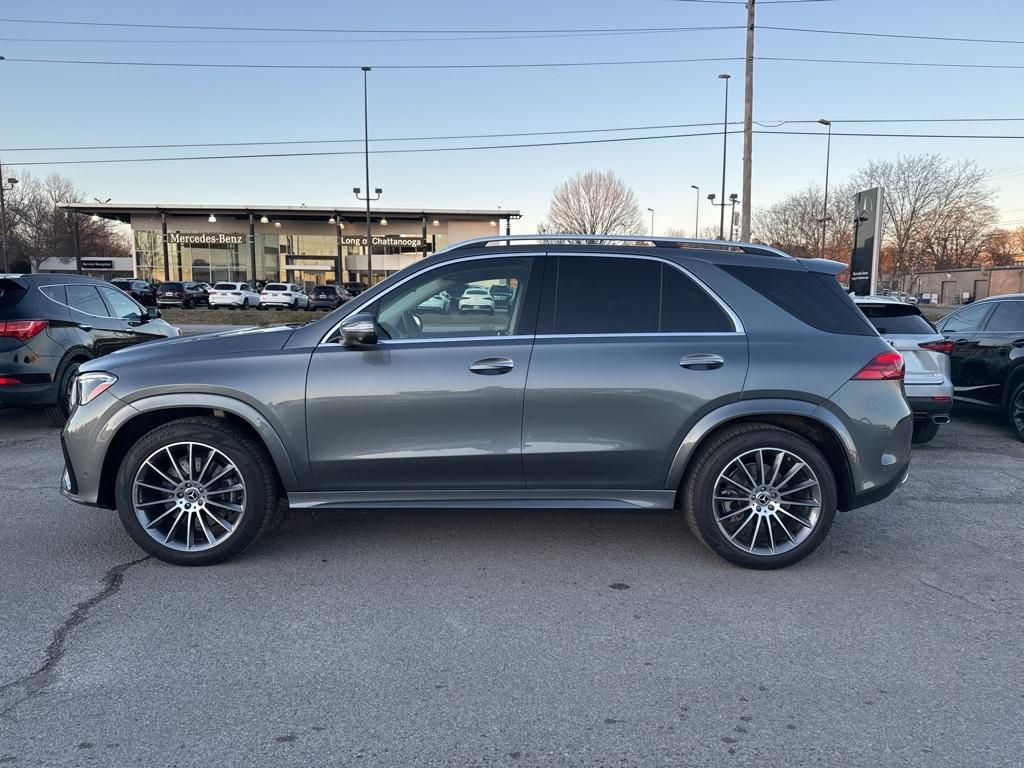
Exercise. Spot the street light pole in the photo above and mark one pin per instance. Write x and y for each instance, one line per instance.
(824, 207)
(696, 213)
(366, 157)
(652, 221)
(3, 213)
(725, 144)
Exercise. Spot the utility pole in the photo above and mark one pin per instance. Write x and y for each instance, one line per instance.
(748, 124)
(366, 156)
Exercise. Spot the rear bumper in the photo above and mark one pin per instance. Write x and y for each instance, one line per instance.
(883, 491)
(232, 301)
(35, 395)
(930, 409)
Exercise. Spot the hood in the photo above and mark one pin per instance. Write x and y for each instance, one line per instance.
(218, 344)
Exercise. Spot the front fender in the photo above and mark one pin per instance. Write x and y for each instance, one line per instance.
(744, 409)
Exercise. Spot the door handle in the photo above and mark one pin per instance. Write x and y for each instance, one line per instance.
(702, 361)
(85, 328)
(492, 366)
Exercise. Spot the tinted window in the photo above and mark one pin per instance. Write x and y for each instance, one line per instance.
(1008, 316)
(896, 318)
(85, 298)
(55, 292)
(225, 287)
(172, 287)
(687, 308)
(966, 320)
(275, 287)
(402, 314)
(596, 294)
(120, 305)
(10, 294)
(812, 297)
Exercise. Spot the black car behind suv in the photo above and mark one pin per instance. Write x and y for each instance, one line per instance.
(51, 324)
(140, 290)
(186, 294)
(988, 355)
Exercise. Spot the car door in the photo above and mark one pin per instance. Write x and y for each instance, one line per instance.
(967, 363)
(89, 312)
(132, 317)
(1002, 340)
(437, 403)
(630, 352)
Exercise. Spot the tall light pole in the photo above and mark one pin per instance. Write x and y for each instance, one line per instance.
(722, 205)
(725, 144)
(748, 124)
(366, 157)
(696, 213)
(369, 239)
(652, 221)
(824, 207)
(6, 185)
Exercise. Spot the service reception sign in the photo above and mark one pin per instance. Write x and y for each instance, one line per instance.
(867, 241)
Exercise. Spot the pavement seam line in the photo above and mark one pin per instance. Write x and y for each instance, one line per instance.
(45, 675)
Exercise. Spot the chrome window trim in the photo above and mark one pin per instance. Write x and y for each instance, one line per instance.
(453, 339)
(76, 309)
(738, 329)
(364, 304)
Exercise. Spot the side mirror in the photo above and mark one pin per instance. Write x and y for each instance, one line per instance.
(360, 328)
(152, 313)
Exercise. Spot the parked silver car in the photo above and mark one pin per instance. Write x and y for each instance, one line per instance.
(731, 381)
(926, 353)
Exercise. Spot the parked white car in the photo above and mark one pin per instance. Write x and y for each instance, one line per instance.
(439, 302)
(476, 300)
(926, 357)
(283, 295)
(233, 296)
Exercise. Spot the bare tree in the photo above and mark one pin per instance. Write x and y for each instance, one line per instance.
(1003, 247)
(794, 224)
(594, 203)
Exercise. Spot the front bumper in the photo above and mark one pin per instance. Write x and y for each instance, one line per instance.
(85, 441)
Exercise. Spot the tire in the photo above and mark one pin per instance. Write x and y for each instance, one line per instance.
(1015, 411)
(245, 304)
(754, 546)
(58, 412)
(213, 306)
(924, 431)
(295, 305)
(187, 304)
(260, 502)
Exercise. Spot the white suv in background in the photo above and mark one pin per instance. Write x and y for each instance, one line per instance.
(283, 295)
(233, 296)
(926, 354)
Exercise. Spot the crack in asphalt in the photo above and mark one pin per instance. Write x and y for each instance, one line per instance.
(36, 682)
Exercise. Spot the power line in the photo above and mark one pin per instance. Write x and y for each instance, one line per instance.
(941, 64)
(517, 65)
(414, 150)
(895, 35)
(376, 31)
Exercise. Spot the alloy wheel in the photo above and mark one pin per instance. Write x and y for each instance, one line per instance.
(189, 496)
(767, 501)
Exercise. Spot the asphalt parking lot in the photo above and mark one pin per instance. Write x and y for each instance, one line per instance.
(476, 639)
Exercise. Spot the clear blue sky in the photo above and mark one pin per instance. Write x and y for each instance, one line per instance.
(50, 104)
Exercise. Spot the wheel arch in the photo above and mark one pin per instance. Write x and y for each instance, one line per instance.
(151, 412)
(819, 426)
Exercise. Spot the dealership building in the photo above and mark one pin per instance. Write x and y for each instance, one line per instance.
(300, 244)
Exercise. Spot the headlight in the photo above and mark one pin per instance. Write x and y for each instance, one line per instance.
(89, 386)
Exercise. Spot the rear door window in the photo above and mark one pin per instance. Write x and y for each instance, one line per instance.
(85, 298)
(897, 319)
(1007, 317)
(602, 294)
(55, 292)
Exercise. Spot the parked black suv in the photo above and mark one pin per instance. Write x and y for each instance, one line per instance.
(185, 294)
(50, 324)
(327, 297)
(354, 288)
(140, 290)
(988, 355)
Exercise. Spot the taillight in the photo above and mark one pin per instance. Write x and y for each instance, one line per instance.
(883, 366)
(22, 330)
(945, 346)
(4, 380)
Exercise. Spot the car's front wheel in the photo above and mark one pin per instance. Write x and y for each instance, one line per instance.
(1016, 411)
(197, 491)
(760, 496)
(58, 412)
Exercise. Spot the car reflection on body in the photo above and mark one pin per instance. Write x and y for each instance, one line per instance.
(476, 300)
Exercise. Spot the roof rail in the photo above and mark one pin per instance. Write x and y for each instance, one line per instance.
(655, 241)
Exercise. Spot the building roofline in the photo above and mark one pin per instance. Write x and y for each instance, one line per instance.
(122, 212)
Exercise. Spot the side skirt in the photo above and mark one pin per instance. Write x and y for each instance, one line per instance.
(661, 501)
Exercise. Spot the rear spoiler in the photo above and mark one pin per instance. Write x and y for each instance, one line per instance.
(827, 266)
(15, 280)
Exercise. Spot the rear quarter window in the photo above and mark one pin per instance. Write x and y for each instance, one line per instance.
(816, 299)
(10, 294)
(893, 318)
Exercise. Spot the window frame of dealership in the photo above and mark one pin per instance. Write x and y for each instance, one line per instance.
(295, 244)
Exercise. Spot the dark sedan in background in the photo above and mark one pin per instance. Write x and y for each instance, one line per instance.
(51, 324)
(988, 355)
(140, 290)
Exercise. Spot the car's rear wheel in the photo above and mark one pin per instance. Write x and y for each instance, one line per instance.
(197, 491)
(58, 412)
(925, 431)
(760, 496)
(1016, 411)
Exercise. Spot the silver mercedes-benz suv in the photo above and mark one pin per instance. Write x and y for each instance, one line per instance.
(730, 381)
